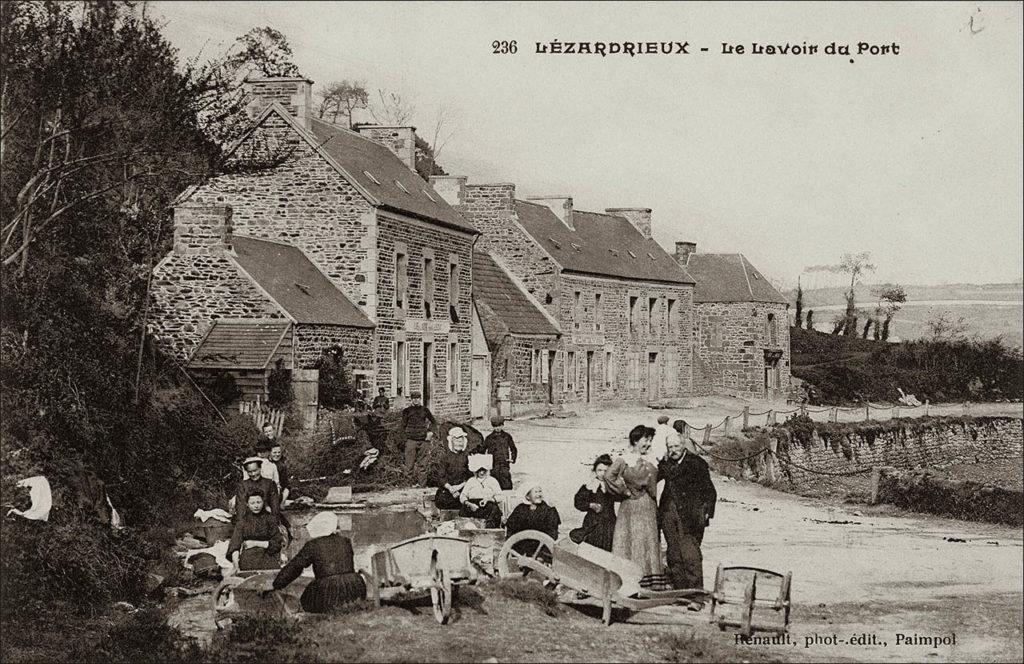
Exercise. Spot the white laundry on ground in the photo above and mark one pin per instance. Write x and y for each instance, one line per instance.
(41, 497)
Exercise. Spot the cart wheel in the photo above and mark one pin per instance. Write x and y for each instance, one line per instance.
(539, 549)
(441, 596)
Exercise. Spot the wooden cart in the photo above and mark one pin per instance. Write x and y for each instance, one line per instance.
(752, 599)
(437, 564)
(610, 580)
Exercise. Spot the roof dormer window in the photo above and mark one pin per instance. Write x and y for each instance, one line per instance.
(372, 179)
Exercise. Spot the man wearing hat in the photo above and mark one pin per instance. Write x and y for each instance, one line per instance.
(417, 421)
(502, 448)
(662, 434)
(254, 483)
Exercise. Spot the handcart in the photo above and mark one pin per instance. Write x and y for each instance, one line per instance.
(245, 593)
(432, 563)
(612, 581)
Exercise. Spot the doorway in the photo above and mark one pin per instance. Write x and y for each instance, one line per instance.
(428, 366)
(551, 375)
(590, 364)
(479, 397)
(653, 376)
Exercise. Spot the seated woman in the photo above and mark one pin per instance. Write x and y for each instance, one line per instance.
(256, 542)
(598, 502)
(335, 580)
(532, 514)
(481, 494)
(452, 472)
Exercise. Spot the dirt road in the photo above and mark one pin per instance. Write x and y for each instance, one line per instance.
(857, 571)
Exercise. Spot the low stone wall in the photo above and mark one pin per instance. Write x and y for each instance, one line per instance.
(836, 459)
(923, 491)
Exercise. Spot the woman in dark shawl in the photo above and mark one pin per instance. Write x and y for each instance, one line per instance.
(257, 540)
(598, 502)
(335, 582)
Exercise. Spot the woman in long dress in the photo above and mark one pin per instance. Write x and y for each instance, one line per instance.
(330, 553)
(451, 473)
(636, 536)
(257, 540)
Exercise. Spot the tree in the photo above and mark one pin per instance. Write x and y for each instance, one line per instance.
(799, 304)
(890, 300)
(810, 319)
(261, 51)
(867, 327)
(391, 109)
(335, 387)
(944, 327)
(341, 99)
(856, 265)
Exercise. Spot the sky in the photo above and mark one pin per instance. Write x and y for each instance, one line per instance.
(791, 160)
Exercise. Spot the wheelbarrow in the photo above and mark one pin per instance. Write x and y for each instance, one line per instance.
(434, 564)
(611, 580)
(246, 593)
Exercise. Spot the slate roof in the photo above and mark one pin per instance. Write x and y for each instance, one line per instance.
(239, 344)
(296, 283)
(358, 155)
(602, 244)
(729, 278)
(495, 288)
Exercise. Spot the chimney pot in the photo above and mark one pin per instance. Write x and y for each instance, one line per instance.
(560, 205)
(295, 93)
(683, 251)
(640, 217)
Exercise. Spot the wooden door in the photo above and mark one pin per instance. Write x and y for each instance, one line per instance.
(479, 395)
(306, 388)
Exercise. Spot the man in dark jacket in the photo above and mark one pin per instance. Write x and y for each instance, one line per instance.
(502, 448)
(687, 505)
(417, 421)
(381, 401)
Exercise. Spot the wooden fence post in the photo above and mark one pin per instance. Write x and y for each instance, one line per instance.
(833, 414)
(769, 418)
(726, 432)
(867, 411)
(746, 417)
(927, 408)
(707, 434)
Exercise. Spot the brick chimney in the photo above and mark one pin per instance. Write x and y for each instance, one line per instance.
(639, 217)
(452, 188)
(294, 93)
(683, 251)
(400, 140)
(560, 205)
(202, 229)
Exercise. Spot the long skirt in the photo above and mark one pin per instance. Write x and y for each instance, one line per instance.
(329, 593)
(489, 512)
(258, 559)
(637, 539)
(444, 500)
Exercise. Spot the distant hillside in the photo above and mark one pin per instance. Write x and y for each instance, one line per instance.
(836, 296)
(989, 310)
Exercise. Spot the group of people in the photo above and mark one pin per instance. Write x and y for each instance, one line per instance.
(664, 459)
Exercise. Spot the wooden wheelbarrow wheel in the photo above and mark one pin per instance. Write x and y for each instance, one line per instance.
(440, 590)
(224, 600)
(511, 562)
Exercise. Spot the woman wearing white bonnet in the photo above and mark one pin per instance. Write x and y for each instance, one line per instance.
(452, 471)
(330, 553)
(481, 495)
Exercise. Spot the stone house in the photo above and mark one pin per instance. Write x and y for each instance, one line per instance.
(741, 332)
(349, 204)
(519, 334)
(624, 306)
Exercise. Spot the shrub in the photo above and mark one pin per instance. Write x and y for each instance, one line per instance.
(335, 389)
(279, 386)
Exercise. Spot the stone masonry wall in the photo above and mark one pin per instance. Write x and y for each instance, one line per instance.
(943, 442)
(312, 340)
(190, 291)
(731, 340)
(410, 324)
(608, 331)
(490, 208)
(304, 202)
